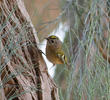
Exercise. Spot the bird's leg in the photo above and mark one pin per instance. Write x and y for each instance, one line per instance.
(52, 67)
(41, 52)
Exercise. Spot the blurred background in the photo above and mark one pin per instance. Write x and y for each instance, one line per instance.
(43, 14)
(83, 27)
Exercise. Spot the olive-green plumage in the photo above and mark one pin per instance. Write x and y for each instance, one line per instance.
(54, 52)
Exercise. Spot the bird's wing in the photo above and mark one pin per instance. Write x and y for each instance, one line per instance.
(62, 56)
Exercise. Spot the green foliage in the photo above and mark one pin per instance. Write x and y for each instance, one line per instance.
(89, 77)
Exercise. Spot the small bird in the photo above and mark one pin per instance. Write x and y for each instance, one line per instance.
(54, 52)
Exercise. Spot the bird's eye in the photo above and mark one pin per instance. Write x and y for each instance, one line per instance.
(52, 41)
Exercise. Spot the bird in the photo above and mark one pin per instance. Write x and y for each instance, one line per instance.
(54, 51)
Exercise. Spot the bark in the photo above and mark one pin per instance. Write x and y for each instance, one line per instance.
(23, 72)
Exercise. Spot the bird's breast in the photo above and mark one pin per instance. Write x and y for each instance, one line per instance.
(52, 56)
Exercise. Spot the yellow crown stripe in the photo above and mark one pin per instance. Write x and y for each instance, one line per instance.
(53, 37)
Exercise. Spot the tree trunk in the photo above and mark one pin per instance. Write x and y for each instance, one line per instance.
(23, 72)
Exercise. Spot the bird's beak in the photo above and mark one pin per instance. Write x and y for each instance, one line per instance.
(46, 38)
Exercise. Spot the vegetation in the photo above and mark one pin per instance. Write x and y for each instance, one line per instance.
(87, 41)
(86, 45)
